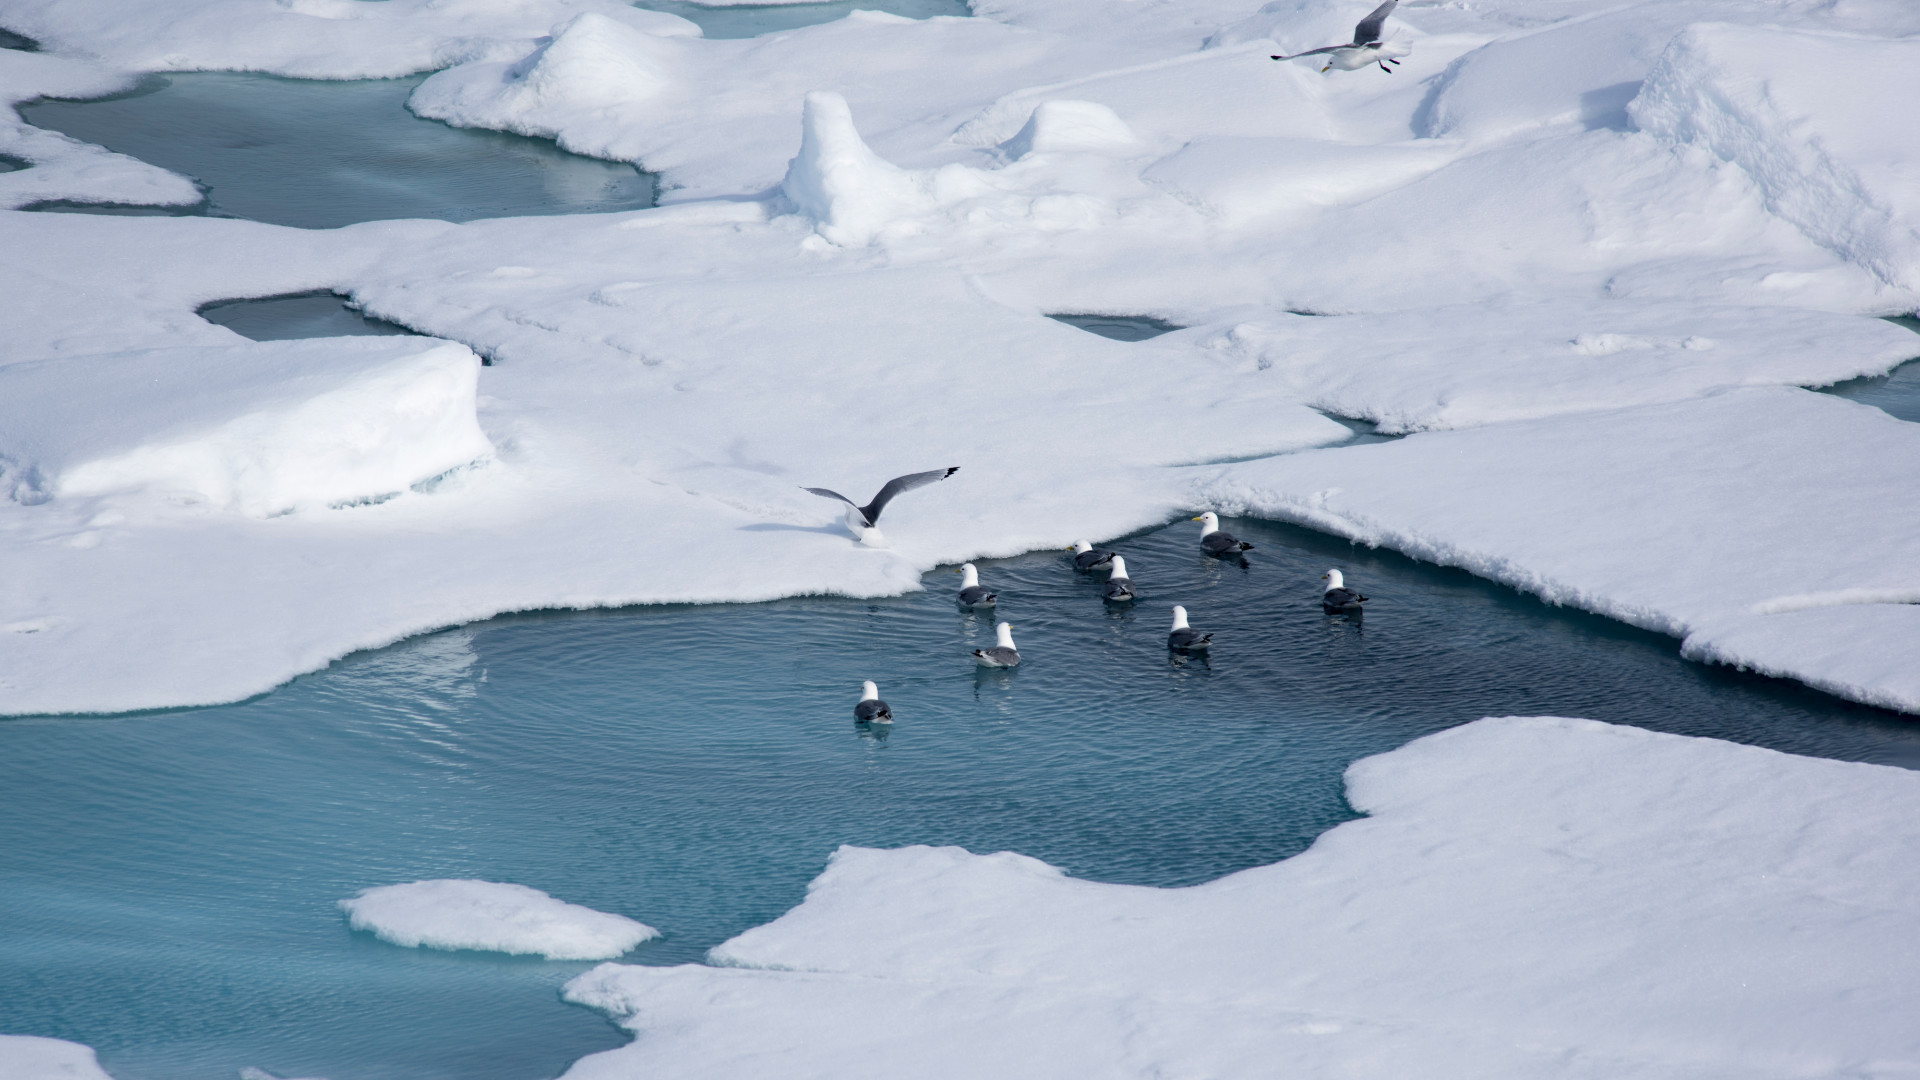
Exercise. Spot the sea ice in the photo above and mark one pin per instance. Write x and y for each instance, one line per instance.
(496, 917)
(1527, 897)
(29, 1057)
(1768, 528)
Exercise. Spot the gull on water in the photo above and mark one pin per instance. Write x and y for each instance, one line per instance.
(1088, 557)
(1119, 585)
(1366, 47)
(1185, 638)
(1215, 542)
(871, 709)
(863, 521)
(1002, 654)
(971, 594)
(1338, 597)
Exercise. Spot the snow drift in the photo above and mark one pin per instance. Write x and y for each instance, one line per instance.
(262, 428)
(464, 914)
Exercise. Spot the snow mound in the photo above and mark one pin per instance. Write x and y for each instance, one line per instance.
(1814, 118)
(1528, 897)
(849, 191)
(451, 913)
(590, 87)
(29, 1057)
(1062, 126)
(262, 428)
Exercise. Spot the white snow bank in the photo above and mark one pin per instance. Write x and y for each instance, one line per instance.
(310, 39)
(1064, 126)
(261, 428)
(1529, 898)
(847, 189)
(451, 913)
(1819, 119)
(29, 1057)
(1766, 527)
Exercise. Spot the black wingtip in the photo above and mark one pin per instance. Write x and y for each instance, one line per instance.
(1276, 58)
(1244, 546)
(951, 469)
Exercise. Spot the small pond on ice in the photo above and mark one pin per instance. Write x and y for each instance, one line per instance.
(169, 880)
(322, 154)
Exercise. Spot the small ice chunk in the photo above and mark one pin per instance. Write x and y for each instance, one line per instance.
(454, 913)
(1061, 125)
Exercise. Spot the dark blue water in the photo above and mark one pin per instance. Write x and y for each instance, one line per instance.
(20, 42)
(319, 154)
(296, 315)
(752, 20)
(1896, 393)
(1119, 327)
(167, 880)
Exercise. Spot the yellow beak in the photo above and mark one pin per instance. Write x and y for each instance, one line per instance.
(1201, 518)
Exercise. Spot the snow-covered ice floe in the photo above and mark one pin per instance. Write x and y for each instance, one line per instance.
(1527, 897)
(493, 916)
(1774, 528)
(29, 1057)
(1542, 217)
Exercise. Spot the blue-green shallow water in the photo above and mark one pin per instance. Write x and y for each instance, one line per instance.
(296, 315)
(169, 879)
(1896, 393)
(320, 154)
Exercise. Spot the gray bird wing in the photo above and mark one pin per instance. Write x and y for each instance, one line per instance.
(826, 494)
(1341, 597)
(1369, 29)
(1322, 49)
(899, 484)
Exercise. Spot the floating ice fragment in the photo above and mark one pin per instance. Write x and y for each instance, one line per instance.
(452, 913)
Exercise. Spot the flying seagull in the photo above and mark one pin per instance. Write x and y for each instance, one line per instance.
(1215, 542)
(1184, 638)
(971, 594)
(862, 520)
(1088, 557)
(1002, 654)
(1367, 48)
(1338, 597)
(871, 709)
(1119, 585)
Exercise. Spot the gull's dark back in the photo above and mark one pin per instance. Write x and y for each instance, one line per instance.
(1368, 31)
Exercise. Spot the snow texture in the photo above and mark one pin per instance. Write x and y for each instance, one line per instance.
(1556, 216)
(1527, 897)
(29, 1057)
(488, 915)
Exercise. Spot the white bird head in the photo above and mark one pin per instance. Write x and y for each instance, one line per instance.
(1119, 568)
(1004, 635)
(869, 692)
(969, 576)
(1209, 523)
(1080, 547)
(1180, 618)
(1334, 580)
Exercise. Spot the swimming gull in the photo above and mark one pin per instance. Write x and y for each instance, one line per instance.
(1185, 638)
(1338, 597)
(1366, 47)
(1215, 542)
(1088, 557)
(862, 520)
(871, 709)
(1002, 654)
(1119, 585)
(971, 594)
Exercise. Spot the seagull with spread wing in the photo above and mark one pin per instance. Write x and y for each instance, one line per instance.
(863, 521)
(1366, 48)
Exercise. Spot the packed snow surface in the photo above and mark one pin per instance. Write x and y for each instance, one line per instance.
(1551, 212)
(494, 916)
(1528, 897)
